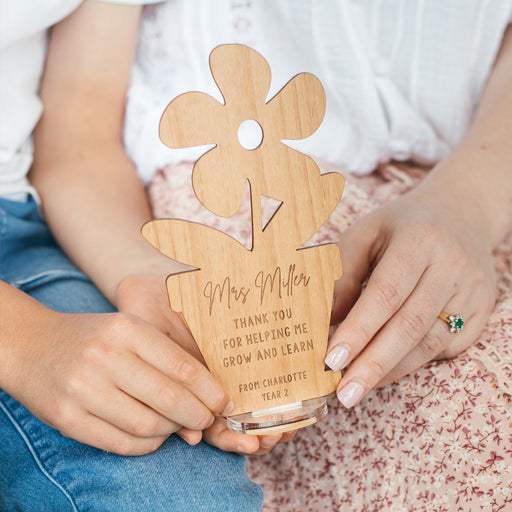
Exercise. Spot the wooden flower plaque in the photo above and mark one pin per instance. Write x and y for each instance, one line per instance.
(260, 316)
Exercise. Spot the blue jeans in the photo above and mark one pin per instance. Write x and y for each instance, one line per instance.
(41, 470)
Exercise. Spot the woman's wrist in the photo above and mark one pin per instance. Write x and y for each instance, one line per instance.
(476, 179)
(477, 188)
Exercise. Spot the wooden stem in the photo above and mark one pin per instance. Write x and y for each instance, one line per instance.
(257, 227)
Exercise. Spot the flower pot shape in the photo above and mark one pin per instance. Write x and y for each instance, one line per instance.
(260, 317)
(262, 324)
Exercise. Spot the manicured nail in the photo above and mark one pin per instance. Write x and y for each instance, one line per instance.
(337, 357)
(229, 408)
(351, 394)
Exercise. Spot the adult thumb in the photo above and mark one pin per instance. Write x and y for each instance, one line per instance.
(355, 248)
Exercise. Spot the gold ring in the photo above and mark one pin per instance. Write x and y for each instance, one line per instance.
(455, 322)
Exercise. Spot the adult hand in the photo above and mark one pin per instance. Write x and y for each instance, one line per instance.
(420, 254)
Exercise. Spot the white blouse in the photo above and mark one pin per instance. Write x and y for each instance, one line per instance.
(402, 77)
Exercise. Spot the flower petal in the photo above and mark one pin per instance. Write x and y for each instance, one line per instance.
(217, 184)
(191, 119)
(297, 110)
(241, 74)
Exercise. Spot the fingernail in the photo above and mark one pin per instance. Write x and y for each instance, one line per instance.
(268, 442)
(351, 394)
(188, 439)
(229, 408)
(337, 357)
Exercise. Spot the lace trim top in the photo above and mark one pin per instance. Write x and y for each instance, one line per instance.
(402, 78)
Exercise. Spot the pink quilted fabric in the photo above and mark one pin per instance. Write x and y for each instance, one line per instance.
(438, 440)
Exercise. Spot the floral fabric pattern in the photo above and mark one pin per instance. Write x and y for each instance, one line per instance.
(438, 440)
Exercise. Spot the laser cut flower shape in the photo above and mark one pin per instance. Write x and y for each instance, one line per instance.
(194, 118)
(227, 280)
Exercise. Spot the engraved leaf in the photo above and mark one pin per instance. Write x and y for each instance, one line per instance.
(191, 243)
(316, 209)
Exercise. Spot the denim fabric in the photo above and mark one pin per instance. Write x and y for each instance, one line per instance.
(41, 470)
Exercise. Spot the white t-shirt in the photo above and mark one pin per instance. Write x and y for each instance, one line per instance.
(23, 38)
(402, 77)
(23, 28)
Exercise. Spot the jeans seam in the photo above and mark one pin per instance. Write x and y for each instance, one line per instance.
(3, 222)
(36, 458)
(65, 273)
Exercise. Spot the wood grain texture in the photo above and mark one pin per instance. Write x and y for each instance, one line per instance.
(260, 316)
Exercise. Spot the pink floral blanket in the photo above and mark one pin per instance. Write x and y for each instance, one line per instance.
(440, 439)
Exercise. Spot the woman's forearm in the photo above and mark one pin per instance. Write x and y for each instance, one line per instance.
(477, 177)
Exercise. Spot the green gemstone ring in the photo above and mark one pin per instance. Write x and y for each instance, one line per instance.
(455, 322)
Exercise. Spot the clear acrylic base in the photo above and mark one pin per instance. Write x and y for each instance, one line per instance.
(280, 419)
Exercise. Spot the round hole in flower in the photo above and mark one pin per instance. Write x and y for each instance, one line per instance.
(250, 134)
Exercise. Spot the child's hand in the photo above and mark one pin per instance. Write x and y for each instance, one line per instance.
(220, 436)
(423, 255)
(145, 295)
(112, 381)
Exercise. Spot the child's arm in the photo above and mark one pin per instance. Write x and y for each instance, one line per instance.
(109, 380)
(92, 198)
(91, 195)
